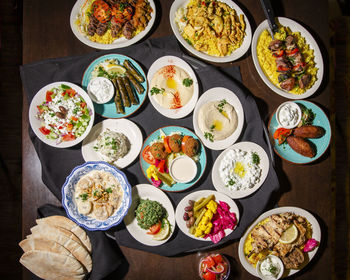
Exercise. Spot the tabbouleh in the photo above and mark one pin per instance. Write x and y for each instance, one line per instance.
(149, 212)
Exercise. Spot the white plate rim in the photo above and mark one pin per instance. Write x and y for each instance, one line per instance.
(294, 26)
(121, 42)
(136, 142)
(316, 233)
(264, 165)
(236, 54)
(188, 108)
(38, 99)
(135, 231)
(231, 97)
(180, 210)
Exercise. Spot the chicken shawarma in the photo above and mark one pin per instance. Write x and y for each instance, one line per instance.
(284, 235)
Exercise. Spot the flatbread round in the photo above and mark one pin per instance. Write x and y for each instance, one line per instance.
(61, 221)
(41, 244)
(76, 248)
(49, 265)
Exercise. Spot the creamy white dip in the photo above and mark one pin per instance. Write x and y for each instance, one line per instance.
(270, 267)
(289, 115)
(101, 90)
(183, 169)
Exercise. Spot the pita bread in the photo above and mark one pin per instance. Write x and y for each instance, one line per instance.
(51, 233)
(40, 244)
(61, 221)
(49, 265)
(63, 231)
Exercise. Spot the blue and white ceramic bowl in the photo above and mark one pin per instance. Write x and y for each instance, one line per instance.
(71, 208)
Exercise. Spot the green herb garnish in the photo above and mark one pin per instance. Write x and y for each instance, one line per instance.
(187, 82)
(231, 182)
(155, 90)
(209, 136)
(189, 41)
(256, 158)
(84, 196)
(65, 86)
(109, 190)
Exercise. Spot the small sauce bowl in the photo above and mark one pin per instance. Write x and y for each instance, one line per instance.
(275, 259)
(284, 114)
(183, 169)
(100, 90)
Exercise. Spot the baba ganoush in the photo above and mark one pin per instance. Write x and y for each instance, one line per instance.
(172, 87)
(217, 120)
(98, 194)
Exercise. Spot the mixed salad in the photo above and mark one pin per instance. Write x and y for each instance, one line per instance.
(64, 114)
(214, 267)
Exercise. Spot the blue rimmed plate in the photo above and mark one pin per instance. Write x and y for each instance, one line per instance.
(167, 130)
(108, 110)
(287, 153)
(71, 208)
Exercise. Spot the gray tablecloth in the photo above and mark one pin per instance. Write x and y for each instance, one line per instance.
(58, 163)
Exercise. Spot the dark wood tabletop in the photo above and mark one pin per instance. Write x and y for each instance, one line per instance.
(47, 34)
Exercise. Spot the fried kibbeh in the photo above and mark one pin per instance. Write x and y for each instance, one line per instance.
(302, 146)
(309, 131)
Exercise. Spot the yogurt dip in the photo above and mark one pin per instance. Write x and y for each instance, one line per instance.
(183, 169)
(101, 90)
(288, 114)
(270, 268)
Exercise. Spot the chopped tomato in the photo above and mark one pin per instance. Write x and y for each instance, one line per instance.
(166, 144)
(183, 143)
(162, 166)
(68, 137)
(44, 130)
(69, 127)
(83, 104)
(281, 134)
(74, 118)
(219, 268)
(49, 96)
(147, 155)
(209, 261)
(41, 110)
(282, 69)
(293, 51)
(155, 228)
(217, 258)
(101, 11)
(71, 92)
(278, 53)
(209, 276)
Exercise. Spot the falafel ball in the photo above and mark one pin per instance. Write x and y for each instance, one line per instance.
(191, 147)
(175, 143)
(158, 151)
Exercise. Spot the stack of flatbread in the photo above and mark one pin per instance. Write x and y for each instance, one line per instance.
(57, 249)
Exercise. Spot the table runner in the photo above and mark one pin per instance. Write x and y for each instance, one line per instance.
(58, 163)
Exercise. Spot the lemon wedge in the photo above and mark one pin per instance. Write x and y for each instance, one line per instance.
(164, 231)
(117, 70)
(289, 235)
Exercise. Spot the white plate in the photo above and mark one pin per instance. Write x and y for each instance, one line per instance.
(316, 234)
(180, 210)
(173, 60)
(264, 165)
(217, 94)
(295, 27)
(40, 97)
(145, 191)
(118, 43)
(128, 128)
(236, 54)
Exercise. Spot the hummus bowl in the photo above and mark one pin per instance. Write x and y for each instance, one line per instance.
(69, 199)
(168, 91)
(218, 118)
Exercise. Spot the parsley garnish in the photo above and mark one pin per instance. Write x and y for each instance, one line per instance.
(189, 41)
(187, 82)
(209, 136)
(109, 190)
(155, 90)
(231, 182)
(256, 158)
(212, 128)
(84, 196)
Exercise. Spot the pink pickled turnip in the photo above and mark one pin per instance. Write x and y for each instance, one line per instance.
(156, 183)
(310, 245)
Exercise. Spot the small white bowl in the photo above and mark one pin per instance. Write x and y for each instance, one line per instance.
(183, 169)
(278, 260)
(295, 106)
(96, 82)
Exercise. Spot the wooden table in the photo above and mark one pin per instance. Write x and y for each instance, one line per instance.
(46, 34)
